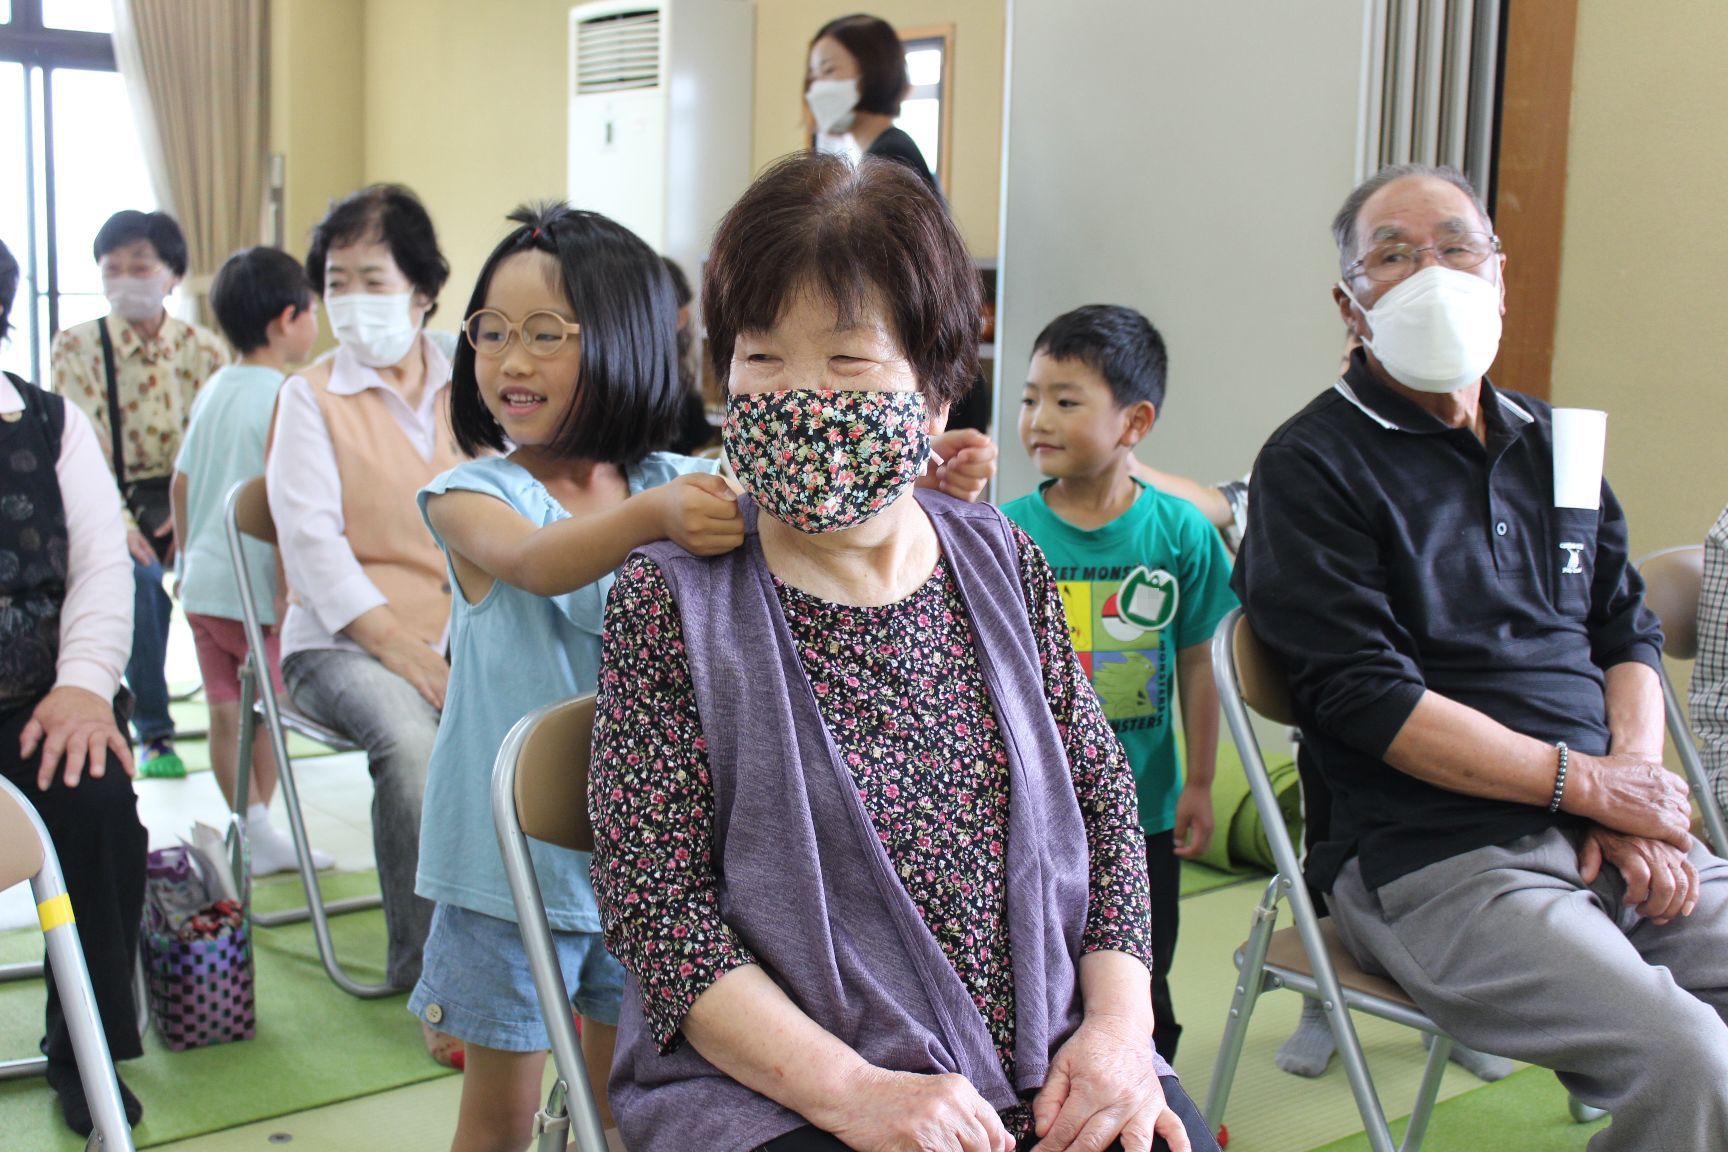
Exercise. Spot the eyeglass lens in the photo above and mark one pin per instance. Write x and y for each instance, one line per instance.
(1462, 252)
(542, 333)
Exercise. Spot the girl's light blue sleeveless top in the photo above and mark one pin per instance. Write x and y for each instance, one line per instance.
(511, 653)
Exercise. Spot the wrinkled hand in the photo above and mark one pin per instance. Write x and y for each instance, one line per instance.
(699, 513)
(418, 665)
(906, 1112)
(968, 462)
(1102, 1087)
(78, 725)
(1194, 822)
(1626, 792)
(1660, 882)
(139, 546)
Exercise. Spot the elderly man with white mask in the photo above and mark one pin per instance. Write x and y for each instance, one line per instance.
(1472, 662)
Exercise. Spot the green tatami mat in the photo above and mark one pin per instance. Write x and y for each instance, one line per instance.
(315, 1045)
(1270, 1110)
(1526, 1111)
(1198, 878)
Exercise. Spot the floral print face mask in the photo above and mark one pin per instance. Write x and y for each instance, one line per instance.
(823, 460)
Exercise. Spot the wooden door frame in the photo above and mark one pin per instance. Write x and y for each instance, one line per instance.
(1528, 197)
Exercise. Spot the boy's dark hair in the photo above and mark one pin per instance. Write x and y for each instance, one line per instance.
(680, 282)
(686, 333)
(882, 79)
(251, 289)
(863, 237)
(8, 288)
(393, 215)
(627, 394)
(159, 228)
(1116, 342)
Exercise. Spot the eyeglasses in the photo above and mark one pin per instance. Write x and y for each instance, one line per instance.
(1390, 263)
(542, 333)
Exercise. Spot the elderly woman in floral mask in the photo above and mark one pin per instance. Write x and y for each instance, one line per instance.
(865, 843)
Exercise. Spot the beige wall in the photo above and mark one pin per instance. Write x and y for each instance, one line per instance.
(783, 31)
(1643, 325)
(465, 104)
(316, 106)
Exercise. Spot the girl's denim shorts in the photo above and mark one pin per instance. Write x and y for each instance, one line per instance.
(475, 983)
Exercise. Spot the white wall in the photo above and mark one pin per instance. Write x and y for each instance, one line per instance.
(1185, 159)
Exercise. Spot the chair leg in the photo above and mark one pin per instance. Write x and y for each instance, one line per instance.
(1427, 1093)
(552, 1123)
(316, 910)
(1250, 982)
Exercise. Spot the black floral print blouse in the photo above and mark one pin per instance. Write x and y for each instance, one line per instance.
(903, 695)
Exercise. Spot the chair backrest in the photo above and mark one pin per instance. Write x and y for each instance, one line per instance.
(1673, 582)
(552, 775)
(252, 511)
(1265, 686)
(21, 853)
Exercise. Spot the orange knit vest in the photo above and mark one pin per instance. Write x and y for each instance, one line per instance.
(381, 473)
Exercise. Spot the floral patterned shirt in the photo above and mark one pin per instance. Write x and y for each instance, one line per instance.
(902, 693)
(155, 379)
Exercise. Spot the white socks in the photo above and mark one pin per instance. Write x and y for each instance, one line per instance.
(273, 852)
(1310, 1048)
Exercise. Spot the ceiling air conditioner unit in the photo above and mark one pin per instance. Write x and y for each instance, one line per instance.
(660, 111)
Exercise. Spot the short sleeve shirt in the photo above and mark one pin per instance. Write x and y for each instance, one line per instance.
(1151, 582)
(511, 652)
(155, 381)
(223, 445)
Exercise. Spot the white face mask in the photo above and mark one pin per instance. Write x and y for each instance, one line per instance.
(833, 104)
(1438, 331)
(378, 328)
(137, 298)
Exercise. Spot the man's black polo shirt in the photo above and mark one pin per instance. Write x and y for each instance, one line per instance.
(1387, 554)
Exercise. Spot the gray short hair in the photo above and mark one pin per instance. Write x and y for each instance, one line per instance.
(1344, 224)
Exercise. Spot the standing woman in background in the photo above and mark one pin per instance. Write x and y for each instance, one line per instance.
(856, 82)
(134, 373)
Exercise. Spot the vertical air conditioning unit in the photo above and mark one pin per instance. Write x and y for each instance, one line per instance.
(660, 111)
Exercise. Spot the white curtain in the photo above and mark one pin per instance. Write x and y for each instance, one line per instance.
(197, 73)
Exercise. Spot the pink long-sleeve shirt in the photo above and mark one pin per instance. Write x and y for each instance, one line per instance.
(96, 618)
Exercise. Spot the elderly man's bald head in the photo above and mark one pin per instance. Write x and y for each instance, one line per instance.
(1344, 224)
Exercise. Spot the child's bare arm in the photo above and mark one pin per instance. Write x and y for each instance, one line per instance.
(1208, 499)
(177, 495)
(1199, 701)
(698, 511)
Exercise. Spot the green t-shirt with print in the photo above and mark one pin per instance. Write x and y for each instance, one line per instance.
(1151, 582)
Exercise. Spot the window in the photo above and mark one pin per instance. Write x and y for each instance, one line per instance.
(924, 112)
(72, 158)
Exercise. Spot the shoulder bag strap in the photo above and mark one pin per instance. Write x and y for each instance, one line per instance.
(114, 438)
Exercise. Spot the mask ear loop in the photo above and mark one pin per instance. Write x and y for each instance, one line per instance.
(1366, 341)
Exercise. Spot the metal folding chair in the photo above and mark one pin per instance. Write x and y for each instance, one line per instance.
(1673, 582)
(26, 853)
(1308, 957)
(247, 514)
(540, 789)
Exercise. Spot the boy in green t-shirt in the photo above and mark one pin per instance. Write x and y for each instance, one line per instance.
(1144, 579)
